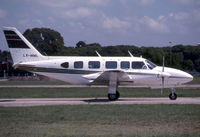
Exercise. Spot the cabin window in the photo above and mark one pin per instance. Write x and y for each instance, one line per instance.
(125, 65)
(65, 64)
(78, 64)
(111, 64)
(138, 65)
(94, 64)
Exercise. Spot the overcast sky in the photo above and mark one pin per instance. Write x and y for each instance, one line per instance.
(108, 22)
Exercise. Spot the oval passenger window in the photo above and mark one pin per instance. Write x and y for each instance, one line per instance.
(65, 65)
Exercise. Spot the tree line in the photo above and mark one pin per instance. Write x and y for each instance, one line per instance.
(50, 42)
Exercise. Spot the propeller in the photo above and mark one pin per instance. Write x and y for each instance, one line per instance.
(162, 76)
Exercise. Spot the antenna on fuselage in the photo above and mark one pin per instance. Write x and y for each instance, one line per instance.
(98, 53)
(130, 53)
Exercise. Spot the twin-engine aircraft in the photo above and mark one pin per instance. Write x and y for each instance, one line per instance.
(111, 71)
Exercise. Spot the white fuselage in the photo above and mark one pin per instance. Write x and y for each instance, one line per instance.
(51, 67)
(111, 71)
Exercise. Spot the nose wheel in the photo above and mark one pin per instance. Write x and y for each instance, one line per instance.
(173, 95)
(113, 97)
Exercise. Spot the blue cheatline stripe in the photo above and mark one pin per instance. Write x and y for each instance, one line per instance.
(55, 70)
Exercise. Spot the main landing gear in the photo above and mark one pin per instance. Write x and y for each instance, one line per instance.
(173, 95)
(113, 94)
(113, 97)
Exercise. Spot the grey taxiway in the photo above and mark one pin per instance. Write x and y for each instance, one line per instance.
(26, 102)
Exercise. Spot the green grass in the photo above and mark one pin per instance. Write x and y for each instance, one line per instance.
(196, 80)
(32, 83)
(90, 92)
(101, 120)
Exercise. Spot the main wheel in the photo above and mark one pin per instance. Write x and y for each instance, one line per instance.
(118, 94)
(113, 97)
(172, 96)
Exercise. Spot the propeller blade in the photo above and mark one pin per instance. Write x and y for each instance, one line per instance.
(163, 78)
(163, 64)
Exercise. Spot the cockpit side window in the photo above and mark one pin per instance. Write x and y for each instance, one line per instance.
(138, 65)
(150, 64)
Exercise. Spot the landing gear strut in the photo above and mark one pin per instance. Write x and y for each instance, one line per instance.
(113, 94)
(113, 97)
(173, 95)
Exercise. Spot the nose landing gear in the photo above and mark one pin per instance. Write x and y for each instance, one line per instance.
(173, 95)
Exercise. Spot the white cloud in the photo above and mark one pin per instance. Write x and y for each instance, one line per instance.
(197, 15)
(23, 21)
(76, 25)
(97, 2)
(161, 17)
(37, 22)
(2, 13)
(181, 16)
(155, 25)
(27, 21)
(79, 13)
(115, 23)
(146, 2)
(71, 3)
(57, 3)
(187, 2)
(184, 22)
(184, 2)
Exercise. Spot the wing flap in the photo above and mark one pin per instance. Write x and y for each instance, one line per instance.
(106, 76)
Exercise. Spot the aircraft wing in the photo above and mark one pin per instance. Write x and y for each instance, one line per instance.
(106, 76)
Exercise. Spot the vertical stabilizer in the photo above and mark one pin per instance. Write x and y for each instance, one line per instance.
(20, 48)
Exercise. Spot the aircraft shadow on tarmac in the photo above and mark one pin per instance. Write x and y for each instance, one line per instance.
(8, 100)
(96, 100)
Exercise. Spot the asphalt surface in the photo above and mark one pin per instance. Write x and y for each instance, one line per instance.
(26, 102)
(196, 86)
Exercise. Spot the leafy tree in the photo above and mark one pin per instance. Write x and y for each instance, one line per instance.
(188, 65)
(45, 40)
(197, 64)
(80, 44)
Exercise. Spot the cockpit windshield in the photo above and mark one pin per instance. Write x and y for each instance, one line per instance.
(138, 65)
(150, 64)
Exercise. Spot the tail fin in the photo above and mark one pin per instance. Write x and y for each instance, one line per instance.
(20, 48)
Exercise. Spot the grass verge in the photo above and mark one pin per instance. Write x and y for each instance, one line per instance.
(90, 92)
(32, 83)
(101, 120)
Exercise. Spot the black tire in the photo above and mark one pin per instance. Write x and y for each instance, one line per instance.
(172, 96)
(118, 94)
(112, 97)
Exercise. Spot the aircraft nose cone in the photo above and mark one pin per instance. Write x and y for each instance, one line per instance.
(188, 76)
